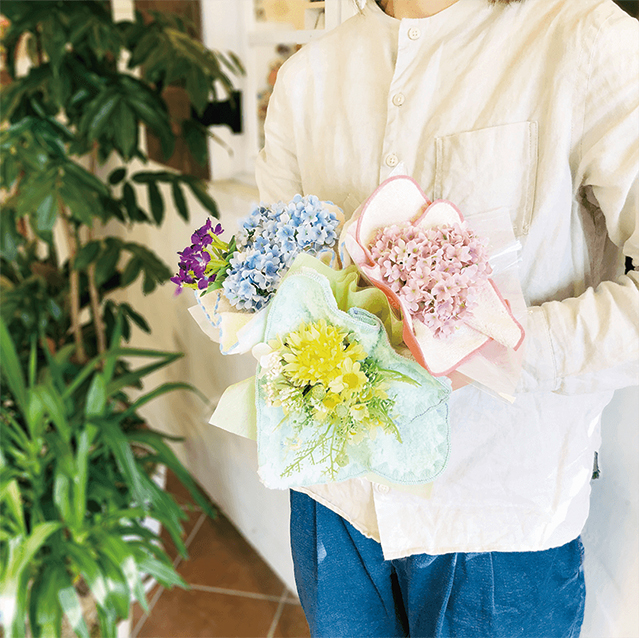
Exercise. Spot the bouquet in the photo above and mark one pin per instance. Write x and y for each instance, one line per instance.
(437, 270)
(332, 399)
(251, 265)
(322, 377)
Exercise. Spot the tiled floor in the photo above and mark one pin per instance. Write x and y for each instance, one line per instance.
(233, 591)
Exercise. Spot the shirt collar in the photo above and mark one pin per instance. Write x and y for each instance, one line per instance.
(456, 13)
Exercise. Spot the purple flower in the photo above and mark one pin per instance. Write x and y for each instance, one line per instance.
(200, 262)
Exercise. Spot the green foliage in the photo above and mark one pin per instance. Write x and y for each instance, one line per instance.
(74, 483)
(75, 100)
(73, 494)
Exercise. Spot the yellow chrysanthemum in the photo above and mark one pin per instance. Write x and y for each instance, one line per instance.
(350, 379)
(316, 352)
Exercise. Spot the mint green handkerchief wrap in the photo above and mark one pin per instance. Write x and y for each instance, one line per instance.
(393, 423)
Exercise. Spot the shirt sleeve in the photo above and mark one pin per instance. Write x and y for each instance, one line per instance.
(590, 343)
(277, 169)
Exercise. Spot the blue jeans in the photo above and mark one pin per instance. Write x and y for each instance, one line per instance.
(348, 590)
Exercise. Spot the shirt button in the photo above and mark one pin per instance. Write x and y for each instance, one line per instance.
(414, 33)
(391, 160)
(383, 489)
(398, 99)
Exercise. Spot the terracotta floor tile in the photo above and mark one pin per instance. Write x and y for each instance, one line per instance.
(136, 610)
(197, 614)
(187, 525)
(220, 557)
(179, 491)
(292, 623)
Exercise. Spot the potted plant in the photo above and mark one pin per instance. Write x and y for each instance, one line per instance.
(72, 492)
(74, 485)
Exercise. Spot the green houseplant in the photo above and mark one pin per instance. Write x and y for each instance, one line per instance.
(72, 492)
(74, 485)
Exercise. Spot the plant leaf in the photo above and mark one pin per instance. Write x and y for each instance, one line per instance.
(85, 179)
(116, 176)
(138, 319)
(144, 177)
(11, 369)
(159, 391)
(131, 271)
(106, 104)
(166, 455)
(10, 238)
(197, 87)
(22, 550)
(119, 446)
(87, 254)
(108, 619)
(84, 441)
(156, 202)
(70, 604)
(34, 415)
(164, 574)
(86, 566)
(125, 131)
(203, 197)
(79, 200)
(130, 200)
(10, 496)
(196, 137)
(148, 283)
(46, 216)
(44, 608)
(96, 397)
(54, 404)
(107, 261)
(123, 556)
(119, 594)
(62, 490)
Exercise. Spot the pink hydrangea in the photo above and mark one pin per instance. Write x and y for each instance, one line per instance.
(436, 271)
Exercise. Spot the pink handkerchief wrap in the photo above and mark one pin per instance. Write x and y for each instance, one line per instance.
(491, 324)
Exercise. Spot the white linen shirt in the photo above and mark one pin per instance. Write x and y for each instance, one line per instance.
(530, 108)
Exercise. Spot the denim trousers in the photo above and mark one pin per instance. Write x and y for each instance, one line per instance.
(348, 590)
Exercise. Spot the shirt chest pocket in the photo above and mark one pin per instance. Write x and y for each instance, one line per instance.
(490, 168)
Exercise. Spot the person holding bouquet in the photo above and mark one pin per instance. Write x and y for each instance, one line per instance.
(527, 108)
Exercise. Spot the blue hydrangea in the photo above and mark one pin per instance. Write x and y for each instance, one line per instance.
(268, 241)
